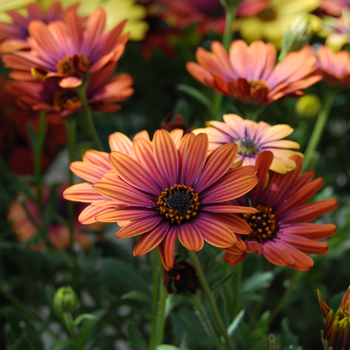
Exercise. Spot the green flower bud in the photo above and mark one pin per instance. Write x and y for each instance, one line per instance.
(308, 106)
(297, 35)
(336, 330)
(65, 300)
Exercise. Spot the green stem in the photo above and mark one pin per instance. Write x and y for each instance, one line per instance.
(230, 16)
(69, 323)
(295, 278)
(216, 105)
(319, 128)
(155, 293)
(81, 91)
(195, 299)
(37, 157)
(211, 300)
(237, 289)
(71, 132)
(161, 312)
(252, 112)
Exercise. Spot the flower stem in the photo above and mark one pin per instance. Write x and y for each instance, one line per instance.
(196, 301)
(71, 132)
(211, 300)
(68, 322)
(237, 289)
(38, 150)
(158, 304)
(318, 129)
(81, 91)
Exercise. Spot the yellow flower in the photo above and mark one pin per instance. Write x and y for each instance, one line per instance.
(8, 5)
(271, 23)
(117, 11)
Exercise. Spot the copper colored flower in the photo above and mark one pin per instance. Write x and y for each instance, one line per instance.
(68, 50)
(14, 34)
(252, 138)
(334, 7)
(103, 91)
(336, 330)
(249, 74)
(281, 230)
(334, 67)
(58, 234)
(207, 14)
(168, 192)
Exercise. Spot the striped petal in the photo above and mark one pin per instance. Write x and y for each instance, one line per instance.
(88, 215)
(166, 156)
(166, 248)
(132, 172)
(138, 227)
(120, 142)
(82, 193)
(190, 237)
(227, 209)
(150, 240)
(87, 171)
(275, 256)
(126, 214)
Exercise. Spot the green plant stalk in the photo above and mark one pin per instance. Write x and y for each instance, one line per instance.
(37, 158)
(71, 132)
(319, 128)
(195, 299)
(161, 311)
(211, 300)
(69, 323)
(237, 289)
(155, 294)
(81, 91)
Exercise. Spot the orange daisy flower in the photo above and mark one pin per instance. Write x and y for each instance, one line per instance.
(103, 91)
(68, 50)
(167, 192)
(334, 67)
(249, 74)
(94, 166)
(252, 138)
(282, 230)
(14, 34)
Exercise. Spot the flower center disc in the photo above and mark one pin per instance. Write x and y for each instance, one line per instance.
(178, 203)
(66, 100)
(267, 15)
(263, 224)
(71, 65)
(247, 147)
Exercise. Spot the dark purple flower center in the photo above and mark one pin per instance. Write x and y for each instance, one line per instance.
(66, 100)
(263, 224)
(247, 147)
(178, 203)
(73, 65)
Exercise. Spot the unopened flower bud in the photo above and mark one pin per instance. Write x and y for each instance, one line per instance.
(297, 35)
(65, 300)
(336, 330)
(308, 106)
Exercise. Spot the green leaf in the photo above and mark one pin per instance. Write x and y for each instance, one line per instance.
(49, 294)
(83, 317)
(135, 339)
(199, 96)
(258, 281)
(61, 345)
(136, 295)
(88, 326)
(111, 272)
(287, 337)
(219, 284)
(232, 327)
(183, 343)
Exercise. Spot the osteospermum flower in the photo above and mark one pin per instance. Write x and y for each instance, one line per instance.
(102, 94)
(335, 334)
(281, 230)
(253, 138)
(272, 22)
(334, 7)
(336, 30)
(117, 11)
(165, 192)
(94, 166)
(249, 74)
(27, 231)
(334, 67)
(15, 33)
(208, 14)
(68, 50)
